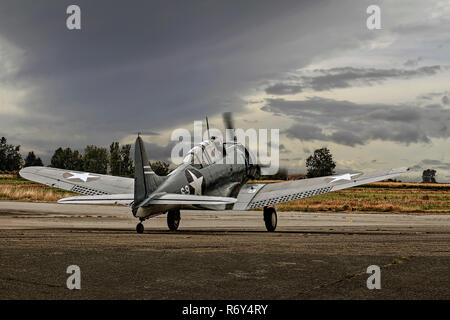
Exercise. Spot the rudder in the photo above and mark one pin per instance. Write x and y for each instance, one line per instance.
(145, 180)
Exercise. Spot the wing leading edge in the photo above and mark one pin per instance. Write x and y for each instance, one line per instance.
(254, 196)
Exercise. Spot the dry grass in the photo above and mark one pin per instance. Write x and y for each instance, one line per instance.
(32, 192)
(383, 184)
(392, 197)
(15, 188)
(368, 199)
(414, 185)
(8, 176)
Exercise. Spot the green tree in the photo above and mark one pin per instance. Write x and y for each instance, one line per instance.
(115, 164)
(320, 164)
(429, 176)
(67, 159)
(95, 159)
(57, 160)
(10, 157)
(161, 168)
(126, 165)
(32, 160)
(120, 161)
(3, 154)
(76, 161)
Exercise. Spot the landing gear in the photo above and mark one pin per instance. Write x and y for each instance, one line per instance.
(140, 227)
(173, 219)
(270, 218)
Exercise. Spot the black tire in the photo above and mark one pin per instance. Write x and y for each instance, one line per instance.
(173, 219)
(140, 228)
(270, 219)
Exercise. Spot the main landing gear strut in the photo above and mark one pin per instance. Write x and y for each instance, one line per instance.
(173, 219)
(270, 218)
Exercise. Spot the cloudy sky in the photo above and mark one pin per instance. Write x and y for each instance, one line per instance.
(377, 98)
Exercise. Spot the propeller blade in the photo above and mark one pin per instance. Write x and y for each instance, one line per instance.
(228, 120)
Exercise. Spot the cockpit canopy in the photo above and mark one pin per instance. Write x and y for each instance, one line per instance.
(208, 152)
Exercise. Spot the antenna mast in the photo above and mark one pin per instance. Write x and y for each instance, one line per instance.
(207, 127)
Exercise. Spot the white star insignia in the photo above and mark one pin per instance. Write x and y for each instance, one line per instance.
(346, 176)
(196, 184)
(82, 176)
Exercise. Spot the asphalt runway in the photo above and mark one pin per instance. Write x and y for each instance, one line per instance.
(220, 255)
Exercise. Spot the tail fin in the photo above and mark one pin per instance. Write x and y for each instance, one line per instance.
(145, 180)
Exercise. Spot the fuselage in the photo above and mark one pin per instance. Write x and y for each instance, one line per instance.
(219, 171)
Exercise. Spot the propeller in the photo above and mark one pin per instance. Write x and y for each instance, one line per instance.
(229, 123)
(228, 120)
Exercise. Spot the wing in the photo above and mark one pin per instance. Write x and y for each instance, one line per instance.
(157, 199)
(254, 196)
(79, 182)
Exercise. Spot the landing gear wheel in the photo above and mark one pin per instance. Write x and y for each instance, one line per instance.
(270, 218)
(173, 219)
(139, 228)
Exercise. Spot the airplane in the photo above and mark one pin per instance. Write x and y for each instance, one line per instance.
(209, 178)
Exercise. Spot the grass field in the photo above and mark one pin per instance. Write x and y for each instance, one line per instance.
(376, 199)
(18, 189)
(393, 197)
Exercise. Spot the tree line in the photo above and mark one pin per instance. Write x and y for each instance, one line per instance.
(118, 161)
(10, 157)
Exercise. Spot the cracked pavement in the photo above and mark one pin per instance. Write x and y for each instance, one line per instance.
(220, 255)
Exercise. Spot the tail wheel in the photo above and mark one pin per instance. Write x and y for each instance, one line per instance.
(173, 219)
(139, 228)
(270, 218)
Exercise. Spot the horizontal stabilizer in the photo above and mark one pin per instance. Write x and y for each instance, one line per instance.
(124, 199)
(185, 199)
(164, 198)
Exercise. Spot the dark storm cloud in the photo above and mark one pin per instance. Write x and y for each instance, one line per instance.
(432, 164)
(430, 96)
(281, 89)
(346, 138)
(307, 132)
(351, 124)
(335, 78)
(157, 152)
(347, 76)
(153, 65)
(430, 28)
(412, 62)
